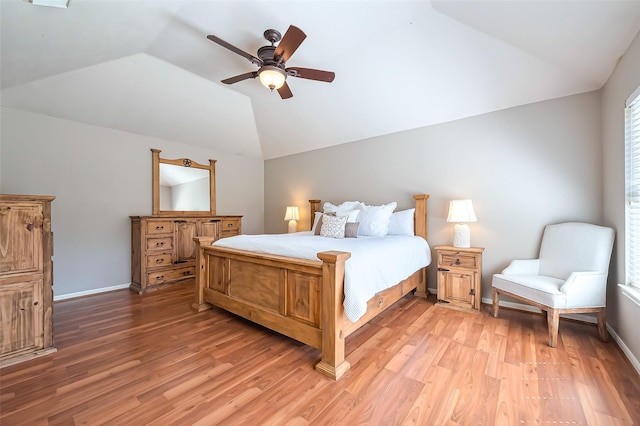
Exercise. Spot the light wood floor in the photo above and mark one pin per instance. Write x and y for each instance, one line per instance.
(126, 359)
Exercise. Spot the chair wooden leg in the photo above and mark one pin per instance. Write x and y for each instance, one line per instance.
(496, 302)
(553, 322)
(602, 325)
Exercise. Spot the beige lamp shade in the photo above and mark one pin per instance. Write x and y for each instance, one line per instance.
(461, 212)
(292, 215)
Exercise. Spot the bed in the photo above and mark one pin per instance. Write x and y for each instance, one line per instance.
(297, 297)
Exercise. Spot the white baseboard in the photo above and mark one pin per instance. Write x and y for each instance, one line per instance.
(89, 292)
(625, 349)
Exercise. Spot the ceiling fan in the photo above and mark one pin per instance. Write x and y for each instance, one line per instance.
(272, 60)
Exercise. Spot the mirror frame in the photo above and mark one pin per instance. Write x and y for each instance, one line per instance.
(183, 162)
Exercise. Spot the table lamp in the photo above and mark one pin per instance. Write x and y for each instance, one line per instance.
(292, 215)
(461, 212)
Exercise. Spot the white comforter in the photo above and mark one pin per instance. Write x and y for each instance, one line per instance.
(376, 263)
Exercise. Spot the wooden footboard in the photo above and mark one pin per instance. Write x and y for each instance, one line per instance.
(282, 293)
(300, 298)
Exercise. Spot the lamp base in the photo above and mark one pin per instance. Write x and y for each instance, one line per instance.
(293, 226)
(462, 236)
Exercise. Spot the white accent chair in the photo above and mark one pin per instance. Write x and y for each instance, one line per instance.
(569, 276)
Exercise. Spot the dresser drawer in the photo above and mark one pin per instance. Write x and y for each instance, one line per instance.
(462, 260)
(169, 275)
(159, 226)
(160, 243)
(156, 260)
(230, 227)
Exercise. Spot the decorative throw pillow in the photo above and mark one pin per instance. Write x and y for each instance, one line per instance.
(333, 226)
(351, 229)
(374, 220)
(401, 223)
(318, 222)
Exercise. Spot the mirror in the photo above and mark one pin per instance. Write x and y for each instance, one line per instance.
(183, 187)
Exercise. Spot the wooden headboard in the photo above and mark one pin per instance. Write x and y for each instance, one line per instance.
(419, 217)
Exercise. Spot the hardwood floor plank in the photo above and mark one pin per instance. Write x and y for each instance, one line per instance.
(126, 359)
(389, 397)
(510, 397)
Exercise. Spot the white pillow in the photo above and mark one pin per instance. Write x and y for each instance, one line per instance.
(374, 220)
(351, 215)
(401, 223)
(333, 226)
(342, 208)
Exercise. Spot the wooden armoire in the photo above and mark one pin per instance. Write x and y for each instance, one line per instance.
(26, 278)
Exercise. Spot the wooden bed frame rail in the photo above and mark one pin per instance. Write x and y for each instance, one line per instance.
(302, 299)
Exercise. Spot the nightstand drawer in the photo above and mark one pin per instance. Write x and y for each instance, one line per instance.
(462, 260)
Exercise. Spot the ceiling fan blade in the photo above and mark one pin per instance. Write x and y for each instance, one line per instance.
(231, 47)
(285, 92)
(240, 77)
(311, 74)
(292, 39)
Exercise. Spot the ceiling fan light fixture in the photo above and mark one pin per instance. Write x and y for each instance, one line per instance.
(272, 77)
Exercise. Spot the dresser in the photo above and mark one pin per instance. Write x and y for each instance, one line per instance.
(26, 278)
(459, 276)
(162, 248)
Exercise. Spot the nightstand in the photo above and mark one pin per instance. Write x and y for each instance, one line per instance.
(459, 276)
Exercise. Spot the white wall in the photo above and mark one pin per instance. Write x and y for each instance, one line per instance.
(523, 168)
(622, 314)
(100, 177)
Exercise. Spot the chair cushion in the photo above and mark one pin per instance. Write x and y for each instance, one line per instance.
(540, 289)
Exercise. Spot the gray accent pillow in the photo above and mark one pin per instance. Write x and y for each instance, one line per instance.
(351, 230)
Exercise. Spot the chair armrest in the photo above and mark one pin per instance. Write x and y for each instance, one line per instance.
(585, 288)
(522, 267)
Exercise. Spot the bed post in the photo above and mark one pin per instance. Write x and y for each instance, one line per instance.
(333, 363)
(420, 228)
(201, 273)
(421, 215)
(314, 206)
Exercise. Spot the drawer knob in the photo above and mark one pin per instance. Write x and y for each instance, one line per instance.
(160, 244)
(229, 225)
(159, 260)
(159, 277)
(457, 261)
(159, 228)
(186, 273)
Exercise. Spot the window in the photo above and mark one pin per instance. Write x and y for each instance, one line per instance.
(632, 191)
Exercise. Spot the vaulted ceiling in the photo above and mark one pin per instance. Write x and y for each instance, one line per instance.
(146, 67)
